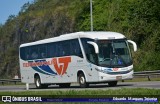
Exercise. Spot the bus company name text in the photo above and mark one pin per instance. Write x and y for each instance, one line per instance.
(40, 63)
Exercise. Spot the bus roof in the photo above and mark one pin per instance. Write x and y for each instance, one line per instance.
(92, 35)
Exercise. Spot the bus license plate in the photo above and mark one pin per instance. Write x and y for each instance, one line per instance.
(118, 77)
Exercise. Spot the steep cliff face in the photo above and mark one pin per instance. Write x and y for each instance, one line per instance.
(40, 20)
(49, 18)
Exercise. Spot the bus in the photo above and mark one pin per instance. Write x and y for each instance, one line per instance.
(80, 57)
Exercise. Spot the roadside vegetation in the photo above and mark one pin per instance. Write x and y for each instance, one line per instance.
(138, 20)
(123, 92)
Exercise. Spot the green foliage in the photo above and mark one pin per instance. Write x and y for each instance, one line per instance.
(25, 7)
(146, 60)
(136, 19)
(123, 91)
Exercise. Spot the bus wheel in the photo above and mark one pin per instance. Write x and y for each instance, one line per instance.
(64, 85)
(112, 83)
(82, 81)
(38, 83)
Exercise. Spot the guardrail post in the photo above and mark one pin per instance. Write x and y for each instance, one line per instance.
(149, 79)
(27, 86)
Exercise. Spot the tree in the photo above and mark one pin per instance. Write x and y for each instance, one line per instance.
(24, 7)
(10, 18)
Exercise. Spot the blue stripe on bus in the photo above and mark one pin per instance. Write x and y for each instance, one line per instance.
(46, 68)
(40, 71)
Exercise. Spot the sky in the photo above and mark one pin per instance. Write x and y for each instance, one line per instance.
(10, 7)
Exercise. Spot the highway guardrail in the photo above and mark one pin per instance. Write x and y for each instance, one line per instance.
(148, 74)
(10, 80)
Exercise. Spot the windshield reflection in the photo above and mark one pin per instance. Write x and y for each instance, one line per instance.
(114, 53)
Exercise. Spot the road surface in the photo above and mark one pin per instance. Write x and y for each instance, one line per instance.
(148, 84)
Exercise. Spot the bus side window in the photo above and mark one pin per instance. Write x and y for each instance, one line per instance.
(51, 50)
(89, 51)
(91, 55)
(63, 48)
(27, 53)
(42, 51)
(34, 52)
(23, 53)
(59, 50)
(75, 48)
(66, 48)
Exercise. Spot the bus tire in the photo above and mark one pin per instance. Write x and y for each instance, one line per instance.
(82, 81)
(112, 83)
(64, 85)
(38, 83)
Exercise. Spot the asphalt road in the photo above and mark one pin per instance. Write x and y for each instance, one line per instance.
(148, 84)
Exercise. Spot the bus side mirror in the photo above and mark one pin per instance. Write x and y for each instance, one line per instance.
(134, 45)
(95, 46)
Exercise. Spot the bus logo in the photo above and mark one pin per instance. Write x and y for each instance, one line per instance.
(115, 69)
(61, 64)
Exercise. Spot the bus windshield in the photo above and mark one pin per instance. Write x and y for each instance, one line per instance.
(114, 53)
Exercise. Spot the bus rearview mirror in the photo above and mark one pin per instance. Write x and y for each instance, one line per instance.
(134, 45)
(95, 46)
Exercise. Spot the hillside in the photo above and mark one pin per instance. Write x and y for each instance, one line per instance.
(138, 20)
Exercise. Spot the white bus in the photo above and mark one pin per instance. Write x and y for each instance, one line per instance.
(83, 57)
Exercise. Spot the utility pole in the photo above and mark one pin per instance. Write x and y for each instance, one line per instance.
(91, 15)
(17, 32)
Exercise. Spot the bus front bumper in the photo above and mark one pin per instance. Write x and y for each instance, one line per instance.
(103, 77)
